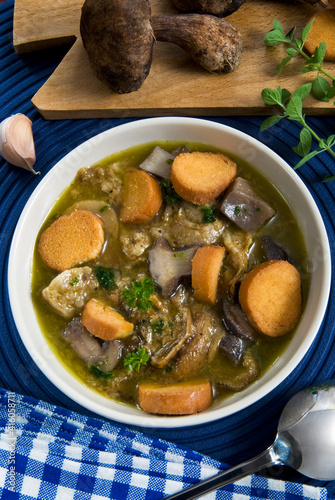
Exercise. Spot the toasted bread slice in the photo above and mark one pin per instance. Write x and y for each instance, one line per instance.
(184, 398)
(72, 239)
(103, 322)
(199, 177)
(270, 296)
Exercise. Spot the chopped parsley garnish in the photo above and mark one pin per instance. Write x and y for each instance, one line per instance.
(237, 210)
(169, 194)
(139, 294)
(105, 207)
(97, 372)
(208, 214)
(168, 369)
(134, 360)
(179, 255)
(106, 277)
(158, 326)
(74, 281)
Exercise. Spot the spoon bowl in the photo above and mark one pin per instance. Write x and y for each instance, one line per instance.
(305, 441)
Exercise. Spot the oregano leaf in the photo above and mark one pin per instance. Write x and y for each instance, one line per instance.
(291, 51)
(277, 25)
(291, 33)
(323, 144)
(298, 43)
(319, 54)
(285, 95)
(283, 64)
(328, 178)
(331, 92)
(306, 30)
(303, 91)
(307, 158)
(305, 143)
(308, 68)
(294, 108)
(320, 88)
(269, 122)
(273, 38)
(272, 97)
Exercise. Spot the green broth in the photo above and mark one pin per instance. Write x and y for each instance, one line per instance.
(266, 350)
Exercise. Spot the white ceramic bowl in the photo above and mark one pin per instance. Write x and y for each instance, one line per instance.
(123, 137)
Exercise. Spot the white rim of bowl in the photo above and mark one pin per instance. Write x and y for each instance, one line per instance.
(38, 348)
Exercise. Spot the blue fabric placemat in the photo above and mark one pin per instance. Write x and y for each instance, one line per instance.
(232, 439)
(49, 453)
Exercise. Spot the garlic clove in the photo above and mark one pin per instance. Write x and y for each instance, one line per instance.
(17, 142)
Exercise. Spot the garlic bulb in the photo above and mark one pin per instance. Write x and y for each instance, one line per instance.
(16, 141)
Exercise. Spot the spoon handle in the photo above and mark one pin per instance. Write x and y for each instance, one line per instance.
(261, 461)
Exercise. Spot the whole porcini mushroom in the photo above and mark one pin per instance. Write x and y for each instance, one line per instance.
(215, 7)
(119, 35)
(118, 38)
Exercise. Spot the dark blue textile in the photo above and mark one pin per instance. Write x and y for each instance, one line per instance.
(232, 439)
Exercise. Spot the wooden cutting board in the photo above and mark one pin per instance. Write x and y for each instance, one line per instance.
(176, 85)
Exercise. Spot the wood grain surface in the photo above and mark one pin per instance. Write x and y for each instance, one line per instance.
(176, 85)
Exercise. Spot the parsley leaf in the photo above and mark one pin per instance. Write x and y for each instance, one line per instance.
(208, 214)
(74, 281)
(98, 373)
(169, 194)
(106, 277)
(158, 326)
(134, 360)
(139, 294)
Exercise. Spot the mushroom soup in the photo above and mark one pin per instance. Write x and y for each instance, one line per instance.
(160, 302)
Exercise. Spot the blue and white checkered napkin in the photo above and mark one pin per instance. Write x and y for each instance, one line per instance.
(47, 452)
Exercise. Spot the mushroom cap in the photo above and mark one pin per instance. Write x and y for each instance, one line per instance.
(118, 39)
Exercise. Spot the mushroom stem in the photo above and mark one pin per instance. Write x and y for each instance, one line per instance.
(212, 42)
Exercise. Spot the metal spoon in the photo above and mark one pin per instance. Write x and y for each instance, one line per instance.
(305, 441)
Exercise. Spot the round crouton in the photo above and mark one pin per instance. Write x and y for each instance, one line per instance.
(270, 296)
(103, 322)
(141, 197)
(206, 265)
(200, 177)
(184, 398)
(72, 239)
(322, 30)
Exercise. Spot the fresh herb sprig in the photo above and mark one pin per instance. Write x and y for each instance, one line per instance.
(322, 88)
(138, 295)
(292, 107)
(134, 360)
